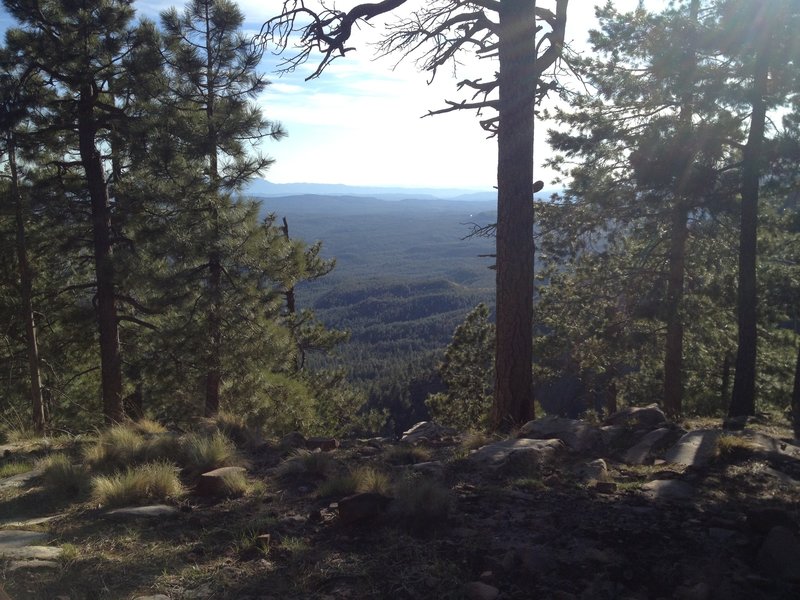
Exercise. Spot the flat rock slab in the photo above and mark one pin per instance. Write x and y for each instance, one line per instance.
(499, 452)
(32, 565)
(668, 489)
(31, 553)
(156, 510)
(16, 538)
(695, 449)
(17, 481)
(30, 522)
(640, 453)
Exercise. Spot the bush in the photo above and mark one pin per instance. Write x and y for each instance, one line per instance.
(145, 483)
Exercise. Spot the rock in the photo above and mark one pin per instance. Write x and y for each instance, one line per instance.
(539, 451)
(668, 489)
(213, 483)
(426, 431)
(295, 439)
(763, 520)
(31, 522)
(611, 435)
(31, 553)
(477, 590)
(32, 565)
(432, 468)
(17, 481)
(642, 451)
(578, 435)
(362, 507)
(17, 538)
(650, 416)
(156, 510)
(779, 555)
(153, 597)
(321, 443)
(596, 470)
(695, 448)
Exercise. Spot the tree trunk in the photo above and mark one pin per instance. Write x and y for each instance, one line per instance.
(726, 379)
(673, 355)
(744, 382)
(38, 419)
(513, 401)
(108, 325)
(796, 399)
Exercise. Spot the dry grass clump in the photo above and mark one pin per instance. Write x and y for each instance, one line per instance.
(136, 485)
(407, 455)
(60, 475)
(15, 468)
(117, 447)
(359, 480)
(302, 463)
(202, 453)
(233, 485)
(238, 431)
(421, 503)
(148, 427)
(733, 447)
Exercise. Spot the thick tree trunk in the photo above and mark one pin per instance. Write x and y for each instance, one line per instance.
(108, 325)
(38, 419)
(673, 355)
(744, 382)
(513, 401)
(796, 398)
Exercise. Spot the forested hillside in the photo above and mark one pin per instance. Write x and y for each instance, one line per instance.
(405, 277)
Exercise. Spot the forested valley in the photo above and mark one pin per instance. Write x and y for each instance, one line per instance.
(585, 388)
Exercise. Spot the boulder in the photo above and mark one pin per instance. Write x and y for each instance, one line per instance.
(596, 470)
(477, 590)
(359, 508)
(779, 555)
(641, 453)
(695, 448)
(650, 416)
(539, 451)
(578, 435)
(214, 482)
(426, 431)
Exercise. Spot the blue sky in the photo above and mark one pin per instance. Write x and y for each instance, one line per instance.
(360, 122)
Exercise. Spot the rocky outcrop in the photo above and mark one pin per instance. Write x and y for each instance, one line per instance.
(579, 436)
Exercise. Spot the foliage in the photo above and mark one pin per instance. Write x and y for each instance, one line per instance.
(468, 373)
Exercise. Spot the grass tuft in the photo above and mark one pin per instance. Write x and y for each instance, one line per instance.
(148, 427)
(421, 503)
(237, 430)
(62, 476)
(407, 455)
(733, 447)
(202, 453)
(302, 463)
(146, 483)
(116, 448)
(15, 468)
(360, 480)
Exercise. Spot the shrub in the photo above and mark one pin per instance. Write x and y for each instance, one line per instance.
(145, 483)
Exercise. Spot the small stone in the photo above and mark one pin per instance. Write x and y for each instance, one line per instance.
(605, 487)
(477, 590)
(321, 443)
(213, 483)
(156, 510)
(362, 507)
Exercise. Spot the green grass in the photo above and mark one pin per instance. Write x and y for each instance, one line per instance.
(15, 468)
(407, 455)
(136, 485)
(116, 448)
(733, 447)
(362, 479)
(201, 453)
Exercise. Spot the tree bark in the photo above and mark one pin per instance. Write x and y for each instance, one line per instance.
(38, 418)
(107, 322)
(513, 401)
(744, 383)
(673, 355)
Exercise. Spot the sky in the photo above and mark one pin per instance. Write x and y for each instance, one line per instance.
(362, 121)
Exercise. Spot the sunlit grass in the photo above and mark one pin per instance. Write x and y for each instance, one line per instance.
(144, 483)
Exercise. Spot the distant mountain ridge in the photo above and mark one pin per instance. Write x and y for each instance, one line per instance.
(267, 189)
